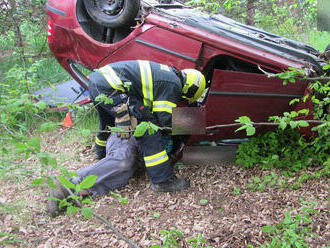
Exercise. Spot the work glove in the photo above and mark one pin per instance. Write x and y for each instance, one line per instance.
(123, 121)
(134, 123)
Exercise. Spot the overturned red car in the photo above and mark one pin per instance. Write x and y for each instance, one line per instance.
(232, 56)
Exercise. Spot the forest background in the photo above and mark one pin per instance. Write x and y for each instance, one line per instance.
(27, 65)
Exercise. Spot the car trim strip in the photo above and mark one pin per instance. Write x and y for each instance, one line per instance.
(226, 93)
(166, 50)
(54, 10)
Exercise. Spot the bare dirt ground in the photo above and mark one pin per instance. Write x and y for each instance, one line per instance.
(232, 216)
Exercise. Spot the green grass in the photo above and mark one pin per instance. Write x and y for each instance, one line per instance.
(50, 72)
(319, 40)
(5, 64)
(86, 119)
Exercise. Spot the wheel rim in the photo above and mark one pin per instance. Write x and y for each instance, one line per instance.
(109, 7)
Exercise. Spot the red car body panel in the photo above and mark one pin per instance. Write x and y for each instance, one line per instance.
(166, 40)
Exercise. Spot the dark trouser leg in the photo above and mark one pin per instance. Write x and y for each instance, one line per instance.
(105, 120)
(155, 157)
(105, 113)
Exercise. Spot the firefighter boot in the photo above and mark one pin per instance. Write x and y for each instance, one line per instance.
(60, 193)
(171, 185)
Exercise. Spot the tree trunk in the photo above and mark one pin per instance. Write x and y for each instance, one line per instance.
(323, 16)
(13, 13)
(250, 12)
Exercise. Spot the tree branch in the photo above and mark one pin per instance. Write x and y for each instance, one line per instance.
(273, 75)
(108, 224)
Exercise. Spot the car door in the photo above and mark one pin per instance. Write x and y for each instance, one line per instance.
(233, 94)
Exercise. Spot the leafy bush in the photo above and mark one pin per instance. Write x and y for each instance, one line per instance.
(282, 149)
(291, 232)
(285, 148)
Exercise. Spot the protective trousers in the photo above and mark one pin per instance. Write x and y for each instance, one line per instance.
(105, 112)
(155, 157)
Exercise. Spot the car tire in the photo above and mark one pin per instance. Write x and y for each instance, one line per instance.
(118, 14)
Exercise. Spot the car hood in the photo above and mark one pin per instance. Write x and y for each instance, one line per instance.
(249, 35)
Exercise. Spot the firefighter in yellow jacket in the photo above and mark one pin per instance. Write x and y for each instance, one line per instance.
(148, 91)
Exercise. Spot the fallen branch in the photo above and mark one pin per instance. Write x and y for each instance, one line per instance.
(105, 221)
(88, 234)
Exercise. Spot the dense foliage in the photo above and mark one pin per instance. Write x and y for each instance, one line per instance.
(27, 65)
(293, 18)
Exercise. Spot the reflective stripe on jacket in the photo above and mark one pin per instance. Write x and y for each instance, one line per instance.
(156, 86)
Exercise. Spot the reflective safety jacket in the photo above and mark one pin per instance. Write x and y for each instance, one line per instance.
(155, 86)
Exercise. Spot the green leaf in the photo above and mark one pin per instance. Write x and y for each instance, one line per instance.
(41, 105)
(64, 203)
(34, 144)
(240, 128)
(244, 119)
(65, 171)
(304, 111)
(141, 129)
(268, 228)
(282, 125)
(237, 191)
(77, 188)
(153, 126)
(87, 212)
(53, 198)
(38, 181)
(303, 124)
(103, 98)
(66, 182)
(256, 180)
(52, 162)
(75, 197)
(203, 201)
(294, 101)
(117, 196)
(71, 210)
(150, 131)
(326, 67)
(87, 201)
(156, 215)
(50, 182)
(293, 124)
(128, 85)
(88, 182)
(250, 130)
(20, 147)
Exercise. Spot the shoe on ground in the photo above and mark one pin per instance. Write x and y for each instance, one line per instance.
(171, 185)
(60, 193)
